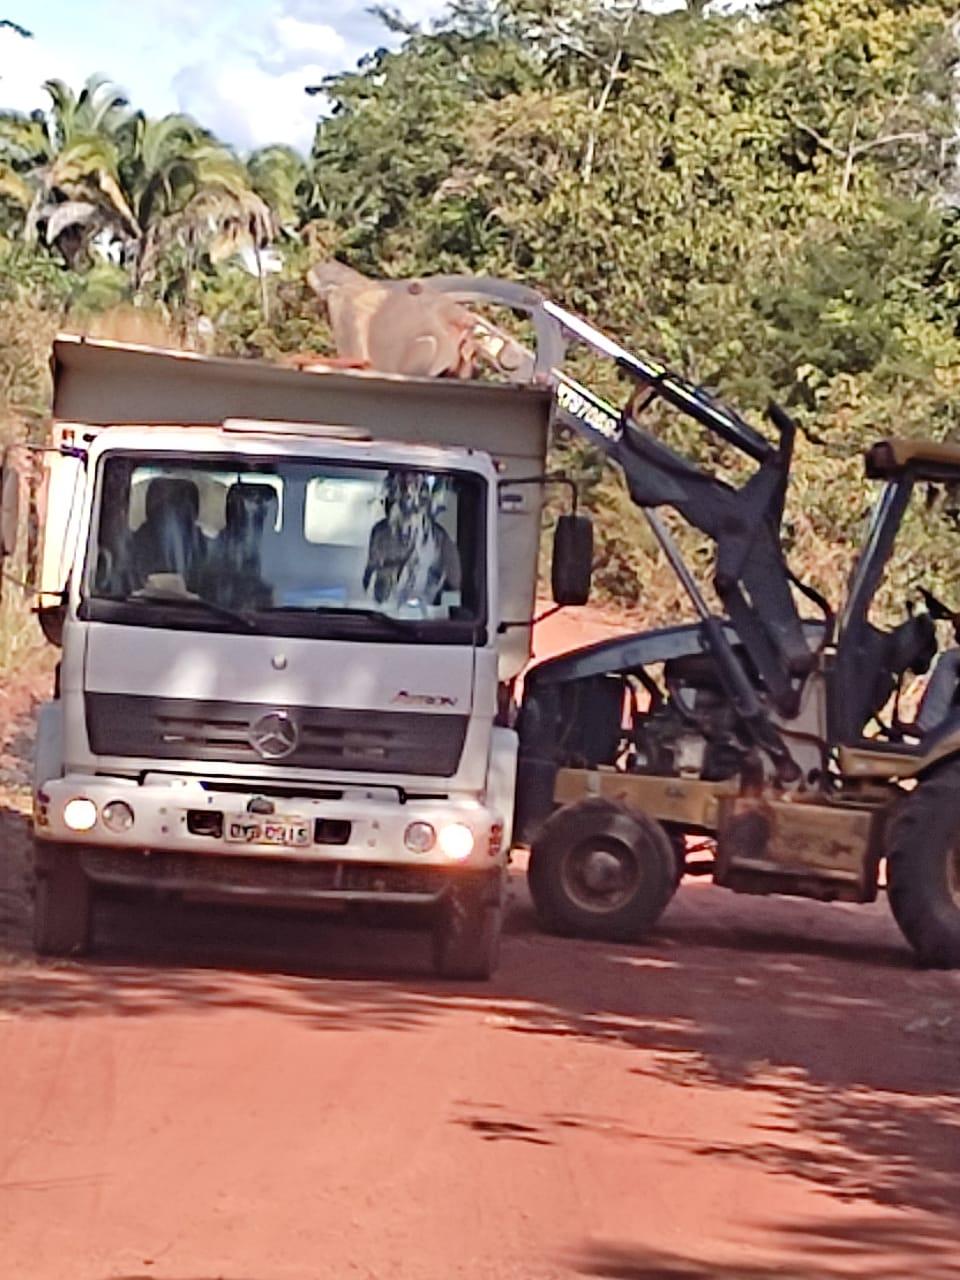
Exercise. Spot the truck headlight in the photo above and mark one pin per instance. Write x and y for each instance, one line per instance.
(117, 815)
(456, 841)
(420, 837)
(80, 814)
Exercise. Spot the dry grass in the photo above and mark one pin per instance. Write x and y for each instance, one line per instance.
(21, 641)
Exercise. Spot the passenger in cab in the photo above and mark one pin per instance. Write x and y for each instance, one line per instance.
(240, 577)
(170, 540)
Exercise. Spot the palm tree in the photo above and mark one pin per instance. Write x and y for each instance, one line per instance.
(191, 196)
(161, 173)
(62, 167)
(166, 191)
(280, 176)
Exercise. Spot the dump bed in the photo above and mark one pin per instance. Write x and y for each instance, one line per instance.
(99, 384)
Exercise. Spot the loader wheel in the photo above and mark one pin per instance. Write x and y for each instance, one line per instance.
(466, 934)
(923, 868)
(600, 870)
(62, 909)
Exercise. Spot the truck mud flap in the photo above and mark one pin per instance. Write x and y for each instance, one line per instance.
(536, 779)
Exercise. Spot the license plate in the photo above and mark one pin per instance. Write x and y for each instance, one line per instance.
(252, 829)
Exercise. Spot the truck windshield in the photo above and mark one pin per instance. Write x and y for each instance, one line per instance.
(287, 546)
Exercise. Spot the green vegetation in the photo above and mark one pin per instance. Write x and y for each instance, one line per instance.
(769, 201)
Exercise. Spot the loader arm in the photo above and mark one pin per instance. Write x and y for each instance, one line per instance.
(425, 326)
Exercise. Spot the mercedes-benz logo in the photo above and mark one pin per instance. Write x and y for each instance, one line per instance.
(274, 735)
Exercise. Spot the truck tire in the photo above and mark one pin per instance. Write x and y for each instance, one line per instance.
(923, 868)
(63, 904)
(466, 934)
(600, 870)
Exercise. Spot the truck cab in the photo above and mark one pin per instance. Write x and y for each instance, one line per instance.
(282, 599)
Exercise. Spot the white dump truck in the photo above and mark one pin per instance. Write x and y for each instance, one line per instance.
(291, 606)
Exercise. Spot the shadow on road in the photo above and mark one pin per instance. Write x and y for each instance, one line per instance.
(885, 1249)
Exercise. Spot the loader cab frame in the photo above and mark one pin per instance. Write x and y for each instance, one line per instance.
(869, 663)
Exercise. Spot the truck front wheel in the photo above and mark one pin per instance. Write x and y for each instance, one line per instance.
(600, 870)
(62, 909)
(923, 868)
(466, 933)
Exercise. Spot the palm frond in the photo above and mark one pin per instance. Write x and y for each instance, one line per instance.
(63, 217)
(15, 187)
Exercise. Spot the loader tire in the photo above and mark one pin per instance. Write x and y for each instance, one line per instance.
(63, 903)
(600, 870)
(923, 868)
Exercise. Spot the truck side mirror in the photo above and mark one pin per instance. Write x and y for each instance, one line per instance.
(572, 568)
(9, 508)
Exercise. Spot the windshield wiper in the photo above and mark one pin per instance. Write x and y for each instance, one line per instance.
(402, 625)
(174, 598)
(406, 626)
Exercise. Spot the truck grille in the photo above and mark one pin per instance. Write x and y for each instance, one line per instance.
(410, 742)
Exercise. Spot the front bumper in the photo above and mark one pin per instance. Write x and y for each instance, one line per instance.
(283, 881)
(179, 839)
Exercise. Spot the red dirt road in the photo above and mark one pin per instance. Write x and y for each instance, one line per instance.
(765, 1089)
